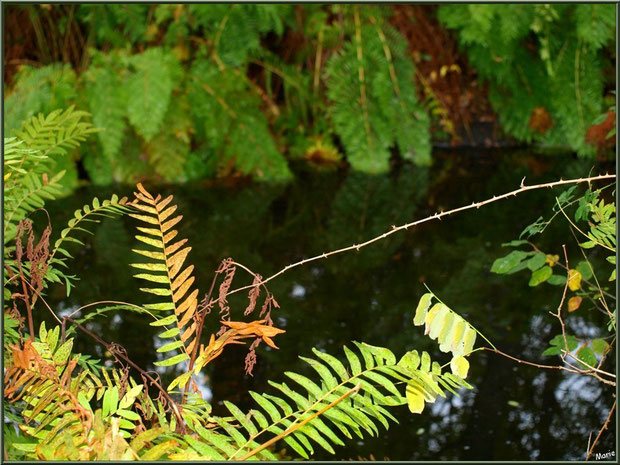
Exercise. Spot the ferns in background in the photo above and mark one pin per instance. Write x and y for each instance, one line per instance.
(262, 82)
(371, 84)
(202, 61)
(554, 94)
(233, 122)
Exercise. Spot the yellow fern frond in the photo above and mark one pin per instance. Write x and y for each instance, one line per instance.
(167, 274)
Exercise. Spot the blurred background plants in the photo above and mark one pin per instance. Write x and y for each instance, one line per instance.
(200, 91)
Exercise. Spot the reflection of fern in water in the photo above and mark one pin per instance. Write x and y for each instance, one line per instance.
(363, 207)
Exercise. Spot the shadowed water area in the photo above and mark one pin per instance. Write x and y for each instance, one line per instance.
(515, 412)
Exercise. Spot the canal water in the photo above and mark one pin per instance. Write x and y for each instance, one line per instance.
(514, 412)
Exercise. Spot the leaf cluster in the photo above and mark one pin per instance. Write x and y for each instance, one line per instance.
(544, 65)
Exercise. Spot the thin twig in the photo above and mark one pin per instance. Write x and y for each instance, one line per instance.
(611, 412)
(436, 216)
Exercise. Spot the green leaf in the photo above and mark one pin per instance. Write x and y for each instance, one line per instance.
(540, 276)
(537, 261)
(128, 414)
(333, 362)
(170, 346)
(172, 360)
(159, 450)
(586, 355)
(181, 381)
(130, 396)
(411, 360)
(415, 397)
(267, 406)
(584, 269)
(515, 243)
(324, 372)
(164, 321)
(308, 384)
(241, 418)
(557, 280)
(64, 351)
(353, 361)
(110, 401)
(459, 366)
(425, 364)
(600, 346)
(508, 263)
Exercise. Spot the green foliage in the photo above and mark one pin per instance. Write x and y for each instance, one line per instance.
(185, 91)
(29, 162)
(580, 282)
(86, 214)
(451, 331)
(227, 111)
(38, 90)
(553, 92)
(374, 104)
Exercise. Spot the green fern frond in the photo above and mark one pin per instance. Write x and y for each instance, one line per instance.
(86, 214)
(31, 193)
(563, 80)
(150, 88)
(16, 158)
(347, 400)
(228, 113)
(57, 132)
(106, 96)
(169, 150)
(373, 102)
(38, 90)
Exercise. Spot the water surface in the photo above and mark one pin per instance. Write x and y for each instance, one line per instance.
(515, 412)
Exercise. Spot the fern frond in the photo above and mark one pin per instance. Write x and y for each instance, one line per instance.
(228, 113)
(57, 132)
(31, 192)
(346, 400)
(150, 88)
(106, 96)
(38, 90)
(86, 214)
(166, 272)
(373, 102)
(16, 157)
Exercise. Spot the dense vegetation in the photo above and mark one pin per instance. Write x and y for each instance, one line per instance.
(193, 91)
(69, 406)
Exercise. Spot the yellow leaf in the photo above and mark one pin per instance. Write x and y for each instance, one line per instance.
(415, 398)
(459, 366)
(574, 303)
(574, 280)
(176, 261)
(552, 259)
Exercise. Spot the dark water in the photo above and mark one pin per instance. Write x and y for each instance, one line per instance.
(515, 412)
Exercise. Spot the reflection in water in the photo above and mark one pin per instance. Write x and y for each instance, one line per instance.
(514, 412)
